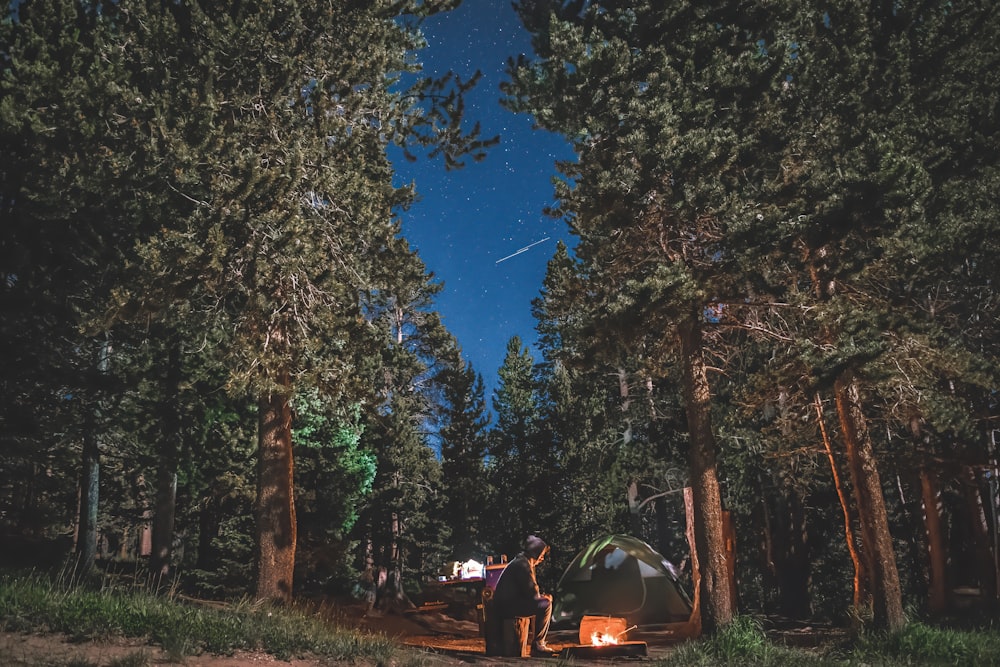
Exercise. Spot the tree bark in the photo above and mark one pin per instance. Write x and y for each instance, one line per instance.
(937, 602)
(887, 596)
(389, 595)
(90, 476)
(695, 621)
(716, 596)
(861, 587)
(729, 539)
(86, 540)
(276, 527)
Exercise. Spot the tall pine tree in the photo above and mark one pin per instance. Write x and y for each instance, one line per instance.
(262, 174)
(659, 103)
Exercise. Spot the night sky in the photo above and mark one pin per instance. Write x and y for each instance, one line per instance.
(468, 221)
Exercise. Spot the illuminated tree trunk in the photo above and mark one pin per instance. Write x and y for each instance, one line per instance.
(887, 596)
(716, 595)
(695, 566)
(861, 587)
(276, 529)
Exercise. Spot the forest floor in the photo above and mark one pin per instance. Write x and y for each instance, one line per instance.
(444, 641)
(445, 634)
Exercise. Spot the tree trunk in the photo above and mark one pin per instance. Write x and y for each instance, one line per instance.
(625, 405)
(276, 528)
(390, 596)
(887, 596)
(635, 505)
(729, 539)
(86, 541)
(992, 497)
(163, 522)
(937, 602)
(695, 621)
(766, 548)
(861, 587)
(209, 522)
(166, 473)
(90, 475)
(664, 529)
(716, 597)
(28, 518)
(985, 563)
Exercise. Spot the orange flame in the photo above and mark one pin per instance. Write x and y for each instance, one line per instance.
(603, 639)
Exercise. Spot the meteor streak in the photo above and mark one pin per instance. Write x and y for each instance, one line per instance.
(527, 247)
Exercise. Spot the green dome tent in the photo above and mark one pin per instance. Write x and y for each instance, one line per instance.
(621, 576)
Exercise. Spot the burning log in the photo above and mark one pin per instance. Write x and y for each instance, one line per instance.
(604, 637)
(619, 650)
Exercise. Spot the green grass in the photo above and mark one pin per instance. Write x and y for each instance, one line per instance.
(921, 644)
(32, 603)
(744, 642)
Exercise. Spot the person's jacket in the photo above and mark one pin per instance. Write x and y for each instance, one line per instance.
(517, 584)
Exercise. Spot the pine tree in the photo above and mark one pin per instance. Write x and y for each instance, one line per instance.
(613, 453)
(334, 476)
(60, 251)
(876, 145)
(522, 465)
(403, 528)
(658, 102)
(261, 175)
(463, 442)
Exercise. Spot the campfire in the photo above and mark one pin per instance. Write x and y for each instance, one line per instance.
(604, 637)
(602, 630)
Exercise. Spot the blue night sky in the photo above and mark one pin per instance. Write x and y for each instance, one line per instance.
(467, 221)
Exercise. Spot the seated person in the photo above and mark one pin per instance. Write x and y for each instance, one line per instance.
(517, 593)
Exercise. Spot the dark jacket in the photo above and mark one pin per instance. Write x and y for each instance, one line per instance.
(517, 591)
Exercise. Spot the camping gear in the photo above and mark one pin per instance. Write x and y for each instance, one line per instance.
(621, 576)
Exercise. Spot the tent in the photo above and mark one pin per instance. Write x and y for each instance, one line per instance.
(621, 576)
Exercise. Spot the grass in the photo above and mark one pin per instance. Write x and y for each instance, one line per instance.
(32, 603)
(935, 646)
(744, 642)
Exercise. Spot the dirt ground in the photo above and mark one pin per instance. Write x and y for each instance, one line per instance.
(21, 650)
(444, 640)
